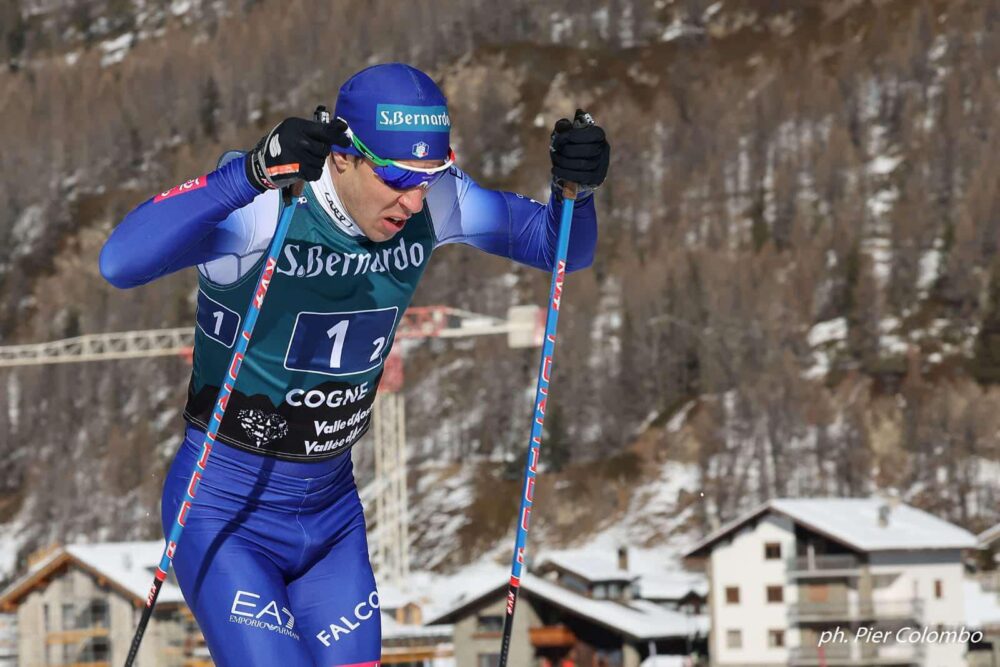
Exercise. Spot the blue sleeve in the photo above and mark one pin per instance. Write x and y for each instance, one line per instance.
(177, 228)
(509, 224)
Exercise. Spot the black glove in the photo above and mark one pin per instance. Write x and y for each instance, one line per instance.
(579, 151)
(294, 150)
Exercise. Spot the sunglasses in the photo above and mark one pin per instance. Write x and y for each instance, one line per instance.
(400, 176)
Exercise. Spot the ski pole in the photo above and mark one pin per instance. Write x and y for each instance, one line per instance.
(221, 401)
(267, 271)
(541, 395)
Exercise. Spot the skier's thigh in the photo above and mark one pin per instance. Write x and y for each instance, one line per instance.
(240, 601)
(336, 604)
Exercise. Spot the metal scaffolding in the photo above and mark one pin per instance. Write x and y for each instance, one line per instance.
(392, 518)
(101, 347)
(522, 326)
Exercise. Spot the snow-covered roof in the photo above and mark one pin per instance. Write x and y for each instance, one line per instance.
(393, 597)
(672, 585)
(588, 564)
(652, 576)
(666, 661)
(393, 629)
(640, 619)
(129, 566)
(982, 608)
(636, 619)
(989, 536)
(854, 522)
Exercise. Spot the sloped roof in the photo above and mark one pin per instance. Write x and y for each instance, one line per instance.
(394, 630)
(666, 661)
(638, 620)
(599, 565)
(672, 585)
(393, 597)
(989, 536)
(854, 522)
(126, 566)
(588, 564)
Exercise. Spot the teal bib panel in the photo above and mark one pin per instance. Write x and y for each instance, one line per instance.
(307, 385)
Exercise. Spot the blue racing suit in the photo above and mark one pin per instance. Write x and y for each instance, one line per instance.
(273, 560)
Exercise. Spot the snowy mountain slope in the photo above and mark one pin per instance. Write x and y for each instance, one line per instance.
(795, 291)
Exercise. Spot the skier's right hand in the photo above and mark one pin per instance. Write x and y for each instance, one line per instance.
(294, 150)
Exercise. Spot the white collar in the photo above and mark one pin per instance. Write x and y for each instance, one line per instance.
(327, 196)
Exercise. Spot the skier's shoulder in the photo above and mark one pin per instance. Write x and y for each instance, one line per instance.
(253, 221)
(244, 235)
(446, 195)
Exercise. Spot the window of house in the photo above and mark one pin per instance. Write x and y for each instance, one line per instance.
(102, 649)
(96, 614)
(574, 583)
(603, 656)
(776, 638)
(732, 595)
(45, 617)
(772, 551)
(488, 660)
(775, 593)
(489, 623)
(411, 615)
(734, 639)
(600, 592)
(98, 650)
(938, 589)
(68, 616)
(692, 605)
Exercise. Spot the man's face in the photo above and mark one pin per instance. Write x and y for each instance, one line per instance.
(380, 211)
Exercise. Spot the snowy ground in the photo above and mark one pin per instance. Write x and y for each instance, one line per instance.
(653, 512)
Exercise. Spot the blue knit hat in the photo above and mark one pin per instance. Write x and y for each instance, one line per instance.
(397, 111)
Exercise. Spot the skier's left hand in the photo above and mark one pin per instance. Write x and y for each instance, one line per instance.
(579, 151)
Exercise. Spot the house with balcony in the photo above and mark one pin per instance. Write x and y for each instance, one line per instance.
(982, 613)
(685, 592)
(573, 610)
(80, 605)
(596, 574)
(982, 600)
(406, 642)
(990, 538)
(409, 645)
(785, 573)
(989, 570)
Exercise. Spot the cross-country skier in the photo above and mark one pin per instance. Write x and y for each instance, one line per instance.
(274, 560)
